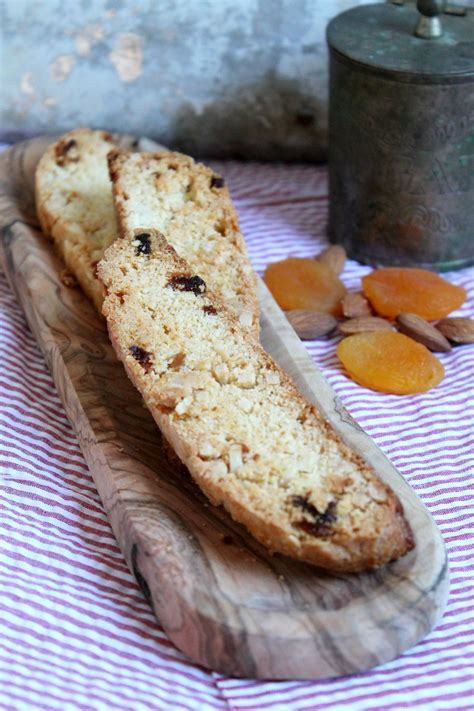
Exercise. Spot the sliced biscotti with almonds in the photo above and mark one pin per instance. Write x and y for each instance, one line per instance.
(189, 203)
(75, 208)
(74, 203)
(235, 419)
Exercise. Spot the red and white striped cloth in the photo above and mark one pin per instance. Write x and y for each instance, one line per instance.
(75, 630)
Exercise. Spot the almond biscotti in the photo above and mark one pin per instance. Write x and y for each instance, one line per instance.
(74, 203)
(235, 419)
(75, 208)
(192, 206)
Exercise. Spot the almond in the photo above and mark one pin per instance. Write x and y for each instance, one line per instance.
(355, 306)
(458, 329)
(333, 257)
(420, 330)
(311, 324)
(364, 324)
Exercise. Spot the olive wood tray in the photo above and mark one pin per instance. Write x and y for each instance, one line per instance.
(221, 597)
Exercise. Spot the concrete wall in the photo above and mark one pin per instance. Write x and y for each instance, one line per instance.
(243, 78)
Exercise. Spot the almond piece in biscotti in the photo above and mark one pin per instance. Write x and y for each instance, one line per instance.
(235, 419)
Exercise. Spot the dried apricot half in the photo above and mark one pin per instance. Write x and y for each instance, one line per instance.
(395, 290)
(298, 283)
(390, 363)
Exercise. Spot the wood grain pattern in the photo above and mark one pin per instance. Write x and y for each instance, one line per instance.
(219, 595)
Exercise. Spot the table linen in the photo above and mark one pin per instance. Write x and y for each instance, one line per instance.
(75, 629)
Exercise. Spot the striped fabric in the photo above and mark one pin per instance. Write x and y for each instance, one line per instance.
(75, 630)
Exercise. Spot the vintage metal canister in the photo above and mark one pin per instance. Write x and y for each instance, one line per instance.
(401, 134)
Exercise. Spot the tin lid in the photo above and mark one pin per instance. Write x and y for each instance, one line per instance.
(382, 38)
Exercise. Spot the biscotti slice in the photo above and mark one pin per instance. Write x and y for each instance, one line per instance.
(74, 203)
(189, 203)
(235, 419)
(75, 208)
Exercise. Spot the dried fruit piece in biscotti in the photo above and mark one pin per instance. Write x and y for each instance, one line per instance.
(172, 193)
(248, 438)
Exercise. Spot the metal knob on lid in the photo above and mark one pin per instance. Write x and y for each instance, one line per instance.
(429, 24)
(401, 134)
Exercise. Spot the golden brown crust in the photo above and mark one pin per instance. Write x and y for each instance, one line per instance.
(248, 438)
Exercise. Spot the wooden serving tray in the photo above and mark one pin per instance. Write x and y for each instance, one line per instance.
(221, 597)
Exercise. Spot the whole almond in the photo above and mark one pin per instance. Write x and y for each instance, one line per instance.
(459, 329)
(311, 324)
(333, 257)
(420, 330)
(355, 306)
(364, 324)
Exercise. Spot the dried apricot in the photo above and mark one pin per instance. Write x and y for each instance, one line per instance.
(390, 363)
(298, 283)
(394, 290)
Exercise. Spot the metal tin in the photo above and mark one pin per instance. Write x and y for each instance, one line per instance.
(401, 138)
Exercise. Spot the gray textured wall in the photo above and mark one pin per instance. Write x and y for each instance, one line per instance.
(210, 77)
